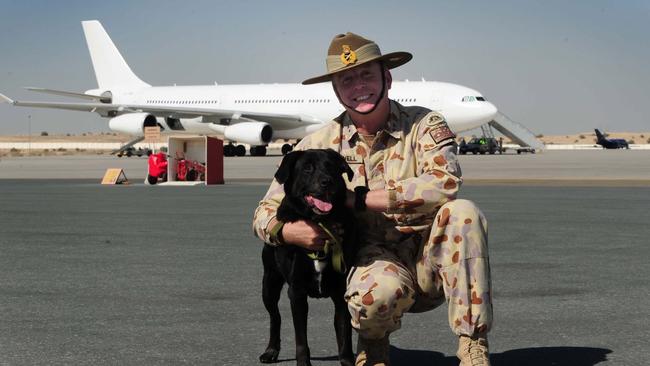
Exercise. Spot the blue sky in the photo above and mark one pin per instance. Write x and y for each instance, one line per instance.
(558, 67)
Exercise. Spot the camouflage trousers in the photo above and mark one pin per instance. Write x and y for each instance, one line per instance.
(449, 264)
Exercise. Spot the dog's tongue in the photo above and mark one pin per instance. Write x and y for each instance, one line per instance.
(320, 205)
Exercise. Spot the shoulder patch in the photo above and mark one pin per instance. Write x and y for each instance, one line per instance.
(441, 132)
(434, 118)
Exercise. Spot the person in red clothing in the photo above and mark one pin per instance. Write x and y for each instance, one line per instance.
(157, 167)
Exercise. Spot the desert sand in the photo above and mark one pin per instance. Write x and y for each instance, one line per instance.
(88, 137)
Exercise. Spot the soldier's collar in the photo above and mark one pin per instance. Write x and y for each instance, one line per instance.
(393, 126)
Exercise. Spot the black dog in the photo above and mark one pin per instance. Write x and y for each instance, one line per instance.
(314, 190)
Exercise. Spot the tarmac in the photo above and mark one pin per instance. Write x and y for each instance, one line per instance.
(141, 275)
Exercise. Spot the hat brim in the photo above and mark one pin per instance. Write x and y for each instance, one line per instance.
(391, 60)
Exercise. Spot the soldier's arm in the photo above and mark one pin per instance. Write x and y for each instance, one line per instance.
(264, 220)
(438, 175)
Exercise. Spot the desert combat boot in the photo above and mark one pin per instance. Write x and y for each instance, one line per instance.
(473, 351)
(372, 352)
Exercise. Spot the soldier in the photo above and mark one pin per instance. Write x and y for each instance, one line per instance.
(419, 246)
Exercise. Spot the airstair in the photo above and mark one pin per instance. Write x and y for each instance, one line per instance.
(517, 132)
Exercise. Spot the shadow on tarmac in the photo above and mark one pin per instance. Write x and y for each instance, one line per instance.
(542, 356)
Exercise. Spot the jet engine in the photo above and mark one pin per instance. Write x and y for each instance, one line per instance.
(132, 123)
(252, 133)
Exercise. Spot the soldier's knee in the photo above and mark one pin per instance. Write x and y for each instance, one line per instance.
(460, 205)
(464, 209)
(390, 297)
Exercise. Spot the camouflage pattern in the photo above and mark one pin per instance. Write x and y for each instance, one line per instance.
(451, 265)
(404, 253)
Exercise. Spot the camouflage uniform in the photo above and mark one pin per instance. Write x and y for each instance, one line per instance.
(428, 246)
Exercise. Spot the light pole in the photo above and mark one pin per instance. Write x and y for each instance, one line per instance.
(29, 135)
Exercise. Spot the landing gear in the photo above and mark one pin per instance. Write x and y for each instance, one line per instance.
(286, 148)
(258, 150)
(234, 150)
(240, 150)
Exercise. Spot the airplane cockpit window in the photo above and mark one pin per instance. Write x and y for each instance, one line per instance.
(471, 98)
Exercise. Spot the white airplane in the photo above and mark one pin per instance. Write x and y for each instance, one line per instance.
(250, 114)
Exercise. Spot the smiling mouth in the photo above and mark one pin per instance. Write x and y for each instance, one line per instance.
(362, 98)
(319, 206)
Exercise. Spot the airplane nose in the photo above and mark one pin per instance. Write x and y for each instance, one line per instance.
(490, 111)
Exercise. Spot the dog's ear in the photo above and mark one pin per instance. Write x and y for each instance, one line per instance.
(343, 165)
(286, 166)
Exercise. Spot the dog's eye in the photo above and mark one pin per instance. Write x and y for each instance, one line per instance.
(308, 168)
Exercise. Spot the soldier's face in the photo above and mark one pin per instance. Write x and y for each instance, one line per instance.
(360, 88)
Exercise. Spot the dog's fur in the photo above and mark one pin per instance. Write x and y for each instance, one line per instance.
(311, 173)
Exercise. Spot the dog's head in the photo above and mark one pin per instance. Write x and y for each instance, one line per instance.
(313, 181)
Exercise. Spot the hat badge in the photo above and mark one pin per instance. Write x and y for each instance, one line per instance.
(348, 56)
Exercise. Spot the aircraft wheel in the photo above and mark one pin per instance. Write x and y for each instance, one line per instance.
(258, 150)
(240, 150)
(228, 150)
(286, 148)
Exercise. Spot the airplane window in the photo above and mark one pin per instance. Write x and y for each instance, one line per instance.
(480, 99)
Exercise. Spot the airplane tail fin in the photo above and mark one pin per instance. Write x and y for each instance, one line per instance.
(599, 135)
(111, 70)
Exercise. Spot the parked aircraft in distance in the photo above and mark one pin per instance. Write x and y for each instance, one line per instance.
(250, 114)
(610, 143)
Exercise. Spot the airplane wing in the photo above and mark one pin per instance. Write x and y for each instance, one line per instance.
(277, 120)
(69, 94)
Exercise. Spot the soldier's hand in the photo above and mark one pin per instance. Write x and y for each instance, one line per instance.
(304, 234)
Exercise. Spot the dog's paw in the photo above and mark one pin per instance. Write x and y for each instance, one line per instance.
(270, 355)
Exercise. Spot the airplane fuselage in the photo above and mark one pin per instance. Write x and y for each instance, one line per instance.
(316, 101)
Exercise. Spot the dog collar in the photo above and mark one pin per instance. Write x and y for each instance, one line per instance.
(333, 245)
